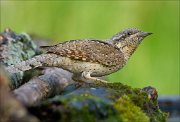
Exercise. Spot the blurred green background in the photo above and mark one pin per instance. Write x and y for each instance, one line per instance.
(156, 61)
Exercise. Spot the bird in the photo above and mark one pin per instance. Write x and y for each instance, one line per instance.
(87, 59)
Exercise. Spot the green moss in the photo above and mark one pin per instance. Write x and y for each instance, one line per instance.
(89, 108)
(139, 98)
(129, 112)
(76, 109)
(149, 106)
(106, 103)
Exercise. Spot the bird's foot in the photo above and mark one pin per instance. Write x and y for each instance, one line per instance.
(88, 79)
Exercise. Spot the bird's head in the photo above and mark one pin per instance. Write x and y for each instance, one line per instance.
(128, 40)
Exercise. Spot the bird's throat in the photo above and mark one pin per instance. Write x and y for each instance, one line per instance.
(128, 51)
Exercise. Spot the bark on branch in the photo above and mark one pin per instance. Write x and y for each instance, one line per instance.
(52, 82)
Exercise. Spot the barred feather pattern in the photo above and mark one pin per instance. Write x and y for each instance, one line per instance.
(94, 51)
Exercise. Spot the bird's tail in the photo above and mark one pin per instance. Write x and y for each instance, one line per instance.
(37, 61)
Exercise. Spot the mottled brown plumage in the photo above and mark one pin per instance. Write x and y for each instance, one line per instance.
(94, 51)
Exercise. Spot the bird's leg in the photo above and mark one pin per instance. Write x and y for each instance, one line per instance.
(89, 79)
(86, 77)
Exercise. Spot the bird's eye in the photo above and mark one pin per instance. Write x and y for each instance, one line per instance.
(129, 33)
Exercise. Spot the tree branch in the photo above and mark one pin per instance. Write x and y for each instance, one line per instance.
(52, 82)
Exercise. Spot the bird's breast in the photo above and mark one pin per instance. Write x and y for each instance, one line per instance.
(76, 66)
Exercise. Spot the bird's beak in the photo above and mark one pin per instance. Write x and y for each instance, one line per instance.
(144, 34)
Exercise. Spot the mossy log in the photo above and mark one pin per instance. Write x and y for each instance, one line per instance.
(50, 94)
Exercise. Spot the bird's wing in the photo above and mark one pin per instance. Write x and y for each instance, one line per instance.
(89, 51)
